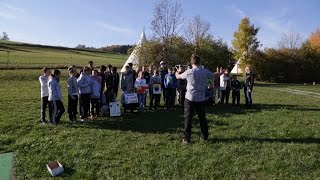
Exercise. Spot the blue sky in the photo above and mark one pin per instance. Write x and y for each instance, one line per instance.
(104, 22)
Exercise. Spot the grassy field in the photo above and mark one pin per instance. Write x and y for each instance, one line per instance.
(30, 56)
(279, 138)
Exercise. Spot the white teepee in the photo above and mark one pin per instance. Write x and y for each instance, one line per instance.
(236, 68)
(133, 58)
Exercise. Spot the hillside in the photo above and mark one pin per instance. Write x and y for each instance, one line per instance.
(15, 55)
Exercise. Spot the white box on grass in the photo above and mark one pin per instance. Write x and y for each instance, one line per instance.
(114, 109)
(55, 168)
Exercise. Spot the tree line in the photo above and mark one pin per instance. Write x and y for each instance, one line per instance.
(174, 38)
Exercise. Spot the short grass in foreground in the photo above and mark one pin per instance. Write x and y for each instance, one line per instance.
(278, 138)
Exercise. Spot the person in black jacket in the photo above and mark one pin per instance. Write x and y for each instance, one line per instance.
(235, 86)
(116, 81)
(163, 72)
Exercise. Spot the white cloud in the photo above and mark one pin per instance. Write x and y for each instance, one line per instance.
(237, 10)
(113, 28)
(8, 11)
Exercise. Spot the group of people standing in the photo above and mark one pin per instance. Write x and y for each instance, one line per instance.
(88, 90)
(193, 87)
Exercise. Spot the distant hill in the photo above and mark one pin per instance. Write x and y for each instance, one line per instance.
(17, 55)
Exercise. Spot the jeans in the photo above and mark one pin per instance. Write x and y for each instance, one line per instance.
(225, 95)
(72, 107)
(170, 97)
(248, 97)
(216, 94)
(156, 99)
(188, 113)
(84, 105)
(56, 110)
(95, 105)
(141, 100)
(44, 104)
(235, 97)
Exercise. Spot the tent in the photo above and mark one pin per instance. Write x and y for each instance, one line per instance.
(236, 68)
(133, 58)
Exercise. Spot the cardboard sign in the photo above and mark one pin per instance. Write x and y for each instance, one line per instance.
(131, 98)
(114, 109)
(156, 89)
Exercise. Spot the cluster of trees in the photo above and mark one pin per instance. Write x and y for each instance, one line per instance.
(174, 47)
(4, 37)
(118, 49)
(295, 61)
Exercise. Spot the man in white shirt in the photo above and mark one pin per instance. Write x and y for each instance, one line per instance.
(44, 93)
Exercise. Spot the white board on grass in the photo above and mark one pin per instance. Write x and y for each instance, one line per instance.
(114, 109)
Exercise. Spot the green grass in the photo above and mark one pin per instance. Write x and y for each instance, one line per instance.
(278, 138)
(29, 56)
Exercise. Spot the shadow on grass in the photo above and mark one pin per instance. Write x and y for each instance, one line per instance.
(225, 110)
(307, 140)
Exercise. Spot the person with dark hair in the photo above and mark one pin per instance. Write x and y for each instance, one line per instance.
(248, 86)
(90, 65)
(197, 79)
(101, 74)
(56, 108)
(182, 89)
(44, 93)
(163, 72)
(116, 81)
(216, 85)
(72, 95)
(127, 81)
(84, 92)
(155, 82)
(235, 86)
(170, 83)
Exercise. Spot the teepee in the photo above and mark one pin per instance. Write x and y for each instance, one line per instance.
(133, 58)
(236, 68)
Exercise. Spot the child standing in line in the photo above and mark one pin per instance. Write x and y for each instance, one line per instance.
(225, 86)
(235, 86)
(84, 92)
(170, 83)
(95, 93)
(154, 83)
(72, 95)
(44, 93)
(182, 89)
(56, 108)
(141, 85)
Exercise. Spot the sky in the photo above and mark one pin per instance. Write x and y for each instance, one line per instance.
(99, 23)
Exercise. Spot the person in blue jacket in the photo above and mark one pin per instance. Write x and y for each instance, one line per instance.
(56, 108)
(170, 84)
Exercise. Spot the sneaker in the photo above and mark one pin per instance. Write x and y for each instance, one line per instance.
(185, 141)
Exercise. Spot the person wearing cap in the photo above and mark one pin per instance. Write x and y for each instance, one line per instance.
(197, 79)
(163, 72)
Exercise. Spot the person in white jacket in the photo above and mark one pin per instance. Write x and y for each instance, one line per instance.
(225, 86)
(95, 93)
(44, 93)
(141, 86)
(56, 108)
(84, 92)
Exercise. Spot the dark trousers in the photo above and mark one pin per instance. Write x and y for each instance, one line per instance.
(72, 107)
(248, 97)
(44, 104)
(182, 97)
(156, 99)
(188, 113)
(95, 105)
(225, 95)
(56, 110)
(235, 97)
(170, 97)
(164, 93)
(84, 105)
